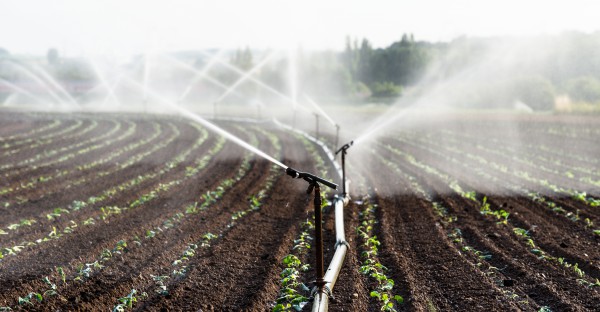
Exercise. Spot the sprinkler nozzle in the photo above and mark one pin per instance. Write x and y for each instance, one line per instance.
(308, 177)
(344, 148)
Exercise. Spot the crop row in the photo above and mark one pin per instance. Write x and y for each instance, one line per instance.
(371, 266)
(554, 157)
(501, 215)
(30, 163)
(55, 213)
(534, 196)
(495, 267)
(76, 205)
(517, 158)
(452, 228)
(105, 211)
(34, 181)
(41, 141)
(33, 132)
(83, 271)
(163, 280)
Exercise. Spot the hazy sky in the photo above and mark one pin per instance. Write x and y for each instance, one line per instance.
(122, 27)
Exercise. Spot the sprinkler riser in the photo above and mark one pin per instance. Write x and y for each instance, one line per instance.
(344, 151)
(310, 178)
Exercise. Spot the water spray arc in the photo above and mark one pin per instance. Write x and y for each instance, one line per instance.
(55, 84)
(209, 125)
(260, 83)
(245, 77)
(239, 82)
(20, 90)
(38, 81)
(200, 74)
(104, 83)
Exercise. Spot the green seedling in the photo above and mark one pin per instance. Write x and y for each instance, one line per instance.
(77, 205)
(52, 291)
(161, 287)
(388, 304)
(255, 202)
(128, 301)
(61, 273)
(192, 208)
(470, 195)
(150, 234)
(27, 300)
(580, 196)
(57, 212)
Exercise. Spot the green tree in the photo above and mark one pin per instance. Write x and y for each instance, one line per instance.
(386, 89)
(535, 91)
(584, 89)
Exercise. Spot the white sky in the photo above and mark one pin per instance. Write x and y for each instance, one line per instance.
(122, 27)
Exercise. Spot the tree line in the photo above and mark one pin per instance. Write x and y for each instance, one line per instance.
(537, 71)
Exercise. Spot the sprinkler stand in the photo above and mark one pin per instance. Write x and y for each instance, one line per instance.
(310, 178)
(313, 185)
(319, 282)
(344, 151)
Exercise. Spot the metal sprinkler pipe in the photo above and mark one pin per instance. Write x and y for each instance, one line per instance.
(313, 185)
(319, 281)
(344, 151)
(310, 178)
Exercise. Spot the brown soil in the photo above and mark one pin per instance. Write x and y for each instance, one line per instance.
(240, 270)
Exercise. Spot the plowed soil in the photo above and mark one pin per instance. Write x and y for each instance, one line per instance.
(175, 228)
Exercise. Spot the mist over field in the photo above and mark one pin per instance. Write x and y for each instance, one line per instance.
(264, 155)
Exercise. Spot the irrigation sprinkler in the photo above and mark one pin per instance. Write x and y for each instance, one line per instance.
(344, 151)
(313, 184)
(310, 178)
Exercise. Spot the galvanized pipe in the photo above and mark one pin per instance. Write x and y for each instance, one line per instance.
(320, 282)
(321, 300)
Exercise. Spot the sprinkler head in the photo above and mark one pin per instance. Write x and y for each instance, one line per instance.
(344, 148)
(310, 178)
